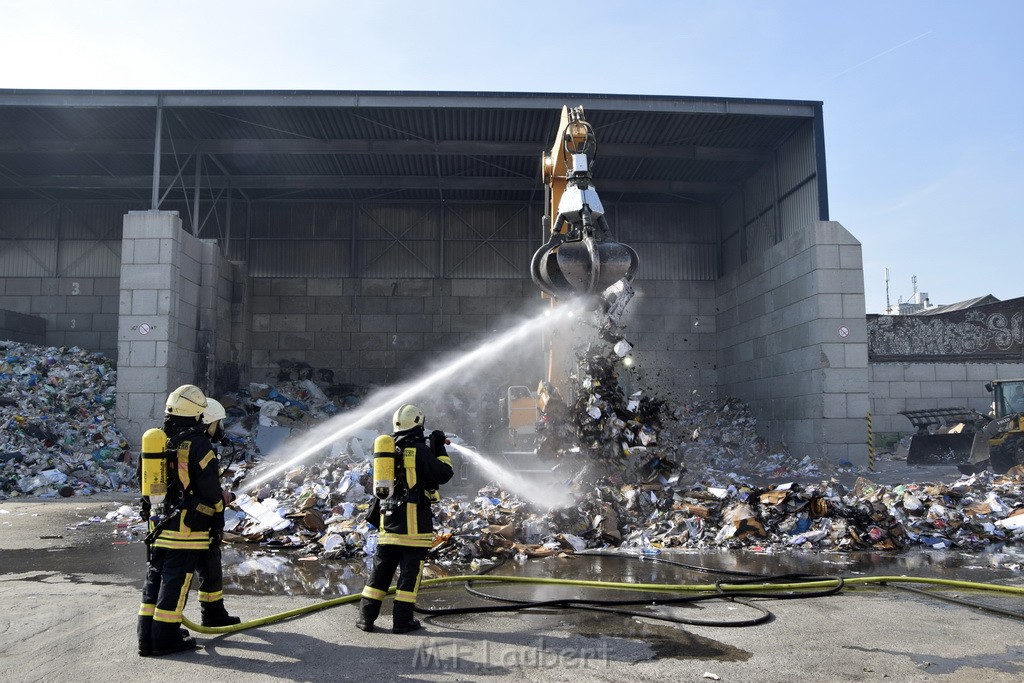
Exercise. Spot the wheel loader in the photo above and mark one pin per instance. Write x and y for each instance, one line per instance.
(968, 439)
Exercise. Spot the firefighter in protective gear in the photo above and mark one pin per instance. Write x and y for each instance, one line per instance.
(209, 571)
(180, 525)
(404, 518)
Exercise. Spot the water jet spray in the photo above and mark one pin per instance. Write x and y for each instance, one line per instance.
(392, 397)
(540, 493)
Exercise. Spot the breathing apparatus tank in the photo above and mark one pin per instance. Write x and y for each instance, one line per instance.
(154, 466)
(384, 466)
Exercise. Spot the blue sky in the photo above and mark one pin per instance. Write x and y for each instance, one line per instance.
(924, 124)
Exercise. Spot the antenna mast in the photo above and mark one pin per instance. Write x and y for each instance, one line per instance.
(888, 307)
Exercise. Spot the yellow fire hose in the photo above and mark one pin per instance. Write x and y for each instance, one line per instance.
(643, 587)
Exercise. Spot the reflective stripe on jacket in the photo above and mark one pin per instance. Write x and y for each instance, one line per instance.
(199, 475)
(411, 523)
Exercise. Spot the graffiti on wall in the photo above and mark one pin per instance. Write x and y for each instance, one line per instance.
(990, 332)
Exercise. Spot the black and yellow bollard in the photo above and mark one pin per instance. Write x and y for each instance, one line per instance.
(871, 445)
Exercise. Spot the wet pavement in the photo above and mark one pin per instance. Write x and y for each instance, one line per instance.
(67, 542)
(71, 586)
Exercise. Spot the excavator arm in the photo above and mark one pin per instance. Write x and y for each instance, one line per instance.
(580, 256)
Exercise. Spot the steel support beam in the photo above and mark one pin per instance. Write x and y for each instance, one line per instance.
(155, 197)
(274, 146)
(405, 100)
(337, 182)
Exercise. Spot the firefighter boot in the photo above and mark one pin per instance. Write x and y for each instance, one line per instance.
(170, 638)
(145, 631)
(402, 618)
(214, 614)
(368, 611)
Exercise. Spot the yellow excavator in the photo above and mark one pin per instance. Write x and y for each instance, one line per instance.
(579, 259)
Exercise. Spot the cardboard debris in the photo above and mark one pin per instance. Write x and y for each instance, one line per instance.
(643, 471)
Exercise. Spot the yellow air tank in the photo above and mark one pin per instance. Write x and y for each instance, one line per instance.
(383, 466)
(154, 466)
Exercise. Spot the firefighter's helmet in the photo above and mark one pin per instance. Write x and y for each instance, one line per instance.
(407, 417)
(214, 411)
(186, 401)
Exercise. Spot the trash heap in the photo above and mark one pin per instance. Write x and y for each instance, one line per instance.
(315, 508)
(320, 514)
(719, 437)
(642, 474)
(291, 406)
(969, 514)
(57, 429)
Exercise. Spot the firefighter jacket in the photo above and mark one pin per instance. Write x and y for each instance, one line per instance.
(406, 518)
(195, 491)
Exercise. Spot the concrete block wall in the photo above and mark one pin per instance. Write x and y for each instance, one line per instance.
(919, 386)
(190, 360)
(19, 327)
(79, 311)
(374, 332)
(792, 342)
(175, 321)
(673, 327)
(147, 328)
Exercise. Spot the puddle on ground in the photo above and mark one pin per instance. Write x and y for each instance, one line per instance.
(95, 563)
(255, 570)
(665, 641)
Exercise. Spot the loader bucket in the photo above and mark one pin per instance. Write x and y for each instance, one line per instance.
(940, 449)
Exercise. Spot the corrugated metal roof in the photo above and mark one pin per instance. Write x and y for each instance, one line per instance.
(402, 146)
(959, 306)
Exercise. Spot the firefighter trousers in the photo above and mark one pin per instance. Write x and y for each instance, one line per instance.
(409, 563)
(165, 591)
(210, 573)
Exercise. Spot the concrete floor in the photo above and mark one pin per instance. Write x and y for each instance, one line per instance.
(71, 603)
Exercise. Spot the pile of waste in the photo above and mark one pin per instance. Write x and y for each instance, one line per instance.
(260, 417)
(58, 434)
(969, 514)
(642, 473)
(317, 510)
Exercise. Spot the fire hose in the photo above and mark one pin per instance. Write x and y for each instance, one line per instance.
(787, 587)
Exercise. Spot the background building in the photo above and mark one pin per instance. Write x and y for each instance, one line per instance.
(210, 237)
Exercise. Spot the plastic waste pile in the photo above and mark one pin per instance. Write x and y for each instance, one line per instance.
(315, 508)
(970, 514)
(318, 513)
(720, 437)
(286, 408)
(676, 487)
(57, 429)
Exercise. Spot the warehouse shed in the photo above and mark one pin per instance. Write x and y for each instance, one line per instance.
(226, 237)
